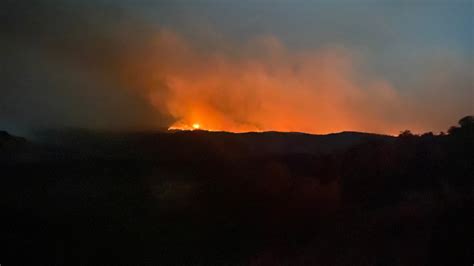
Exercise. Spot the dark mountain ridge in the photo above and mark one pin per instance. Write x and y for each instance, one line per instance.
(190, 143)
(218, 198)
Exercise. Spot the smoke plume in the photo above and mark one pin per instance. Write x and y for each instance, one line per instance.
(100, 67)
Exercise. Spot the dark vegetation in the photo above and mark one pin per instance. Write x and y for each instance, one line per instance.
(202, 198)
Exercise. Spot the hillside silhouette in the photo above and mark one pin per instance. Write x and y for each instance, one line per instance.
(218, 198)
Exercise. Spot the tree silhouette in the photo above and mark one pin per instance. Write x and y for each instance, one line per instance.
(466, 127)
(406, 134)
(466, 122)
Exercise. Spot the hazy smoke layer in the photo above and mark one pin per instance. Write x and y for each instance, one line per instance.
(99, 68)
(265, 86)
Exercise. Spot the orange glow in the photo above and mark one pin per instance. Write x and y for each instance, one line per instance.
(263, 86)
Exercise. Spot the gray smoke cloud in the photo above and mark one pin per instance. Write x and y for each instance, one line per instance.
(59, 68)
(112, 65)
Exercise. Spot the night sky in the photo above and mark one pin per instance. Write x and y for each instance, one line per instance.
(309, 66)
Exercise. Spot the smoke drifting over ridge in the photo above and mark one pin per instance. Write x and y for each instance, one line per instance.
(103, 68)
(264, 86)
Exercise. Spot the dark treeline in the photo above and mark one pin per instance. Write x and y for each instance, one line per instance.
(215, 198)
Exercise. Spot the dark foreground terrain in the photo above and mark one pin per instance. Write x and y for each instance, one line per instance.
(202, 198)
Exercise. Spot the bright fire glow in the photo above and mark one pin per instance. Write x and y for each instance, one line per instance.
(187, 126)
(267, 87)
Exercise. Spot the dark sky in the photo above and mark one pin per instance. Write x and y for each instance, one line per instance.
(319, 66)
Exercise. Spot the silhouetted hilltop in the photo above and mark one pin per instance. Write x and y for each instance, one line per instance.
(213, 198)
(8, 141)
(181, 144)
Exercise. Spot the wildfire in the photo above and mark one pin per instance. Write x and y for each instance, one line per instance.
(210, 126)
(184, 126)
(267, 87)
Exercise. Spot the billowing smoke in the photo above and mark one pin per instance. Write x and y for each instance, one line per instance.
(101, 68)
(263, 85)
